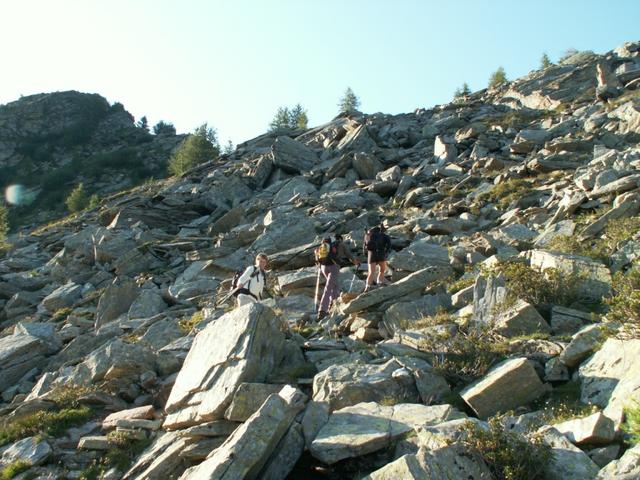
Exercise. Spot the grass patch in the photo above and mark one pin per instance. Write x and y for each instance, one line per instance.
(14, 469)
(125, 450)
(601, 248)
(506, 192)
(53, 423)
(631, 425)
(562, 404)
(466, 356)
(441, 317)
(188, 324)
(508, 455)
(460, 285)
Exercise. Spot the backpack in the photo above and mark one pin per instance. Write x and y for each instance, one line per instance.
(375, 241)
(327, 253)
(236, 276)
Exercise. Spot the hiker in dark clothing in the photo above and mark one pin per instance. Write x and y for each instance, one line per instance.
(329, 256)
(376, 247)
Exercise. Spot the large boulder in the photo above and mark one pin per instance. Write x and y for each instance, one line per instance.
(416, 281)
(246, 452)
(421, 253)
(567, 460)
(511, 384)
(626, 468)
(610, 377)
(19, 354)
(519, 319)
(345, 385)
(292, 156)
(116, 300)
(367, 427)
(62, 297)
(453, 461)
(33, 450)
(249, 345)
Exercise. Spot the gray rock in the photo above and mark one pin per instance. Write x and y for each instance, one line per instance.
(366, 166)
(247, 450)
(161, 459)
(511, 384)
(582, 344)
(247, 400)
(519, 319)
(161, 334)
(288, 451)
(148, 304)
(32, 450)
(488, 294)
(567, 320)
(443, 463)
(115, 301)
(345, 385)
(443, 152)
(249, 345)
(528, 140)
(18, 355)
(367, 427)
(315, 417)
(62, 297)
(294, 188)
(412, 282)
(421, 253)
(412, 311)
(626, 468)
(609, 378)
(567, 460)
(292, 156)
(621, 185)
(595, 429)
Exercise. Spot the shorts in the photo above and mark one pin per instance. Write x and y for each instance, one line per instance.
(376, 257)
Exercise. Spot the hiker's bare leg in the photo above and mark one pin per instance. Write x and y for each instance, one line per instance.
(383, 267)
(371, 274)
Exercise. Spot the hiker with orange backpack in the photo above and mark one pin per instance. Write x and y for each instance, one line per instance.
(329, 255)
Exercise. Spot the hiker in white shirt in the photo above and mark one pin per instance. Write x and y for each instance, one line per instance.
(252, 281)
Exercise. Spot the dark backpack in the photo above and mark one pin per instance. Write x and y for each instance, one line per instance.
(327, 253)
(375, 241)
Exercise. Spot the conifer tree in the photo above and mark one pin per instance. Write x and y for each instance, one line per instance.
(77, 199)
(349, 102)
(497, 78)
(545, 62)
(199, 147)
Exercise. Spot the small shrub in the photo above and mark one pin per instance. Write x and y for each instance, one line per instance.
(508, 455)
(441, 317)
(460, 284)
(119, 457)
(536, 287)
(562, 403)
(14, 469)
(631, 424)
(624, 306)
(466, 356)
(187, 325)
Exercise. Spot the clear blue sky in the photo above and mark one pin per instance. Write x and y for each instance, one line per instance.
(233, 63)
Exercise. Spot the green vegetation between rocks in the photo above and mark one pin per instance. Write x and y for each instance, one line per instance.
(14, 469)
(508, 455)
(631, 424)
(125, 450)
(186, 325)
(624, 306)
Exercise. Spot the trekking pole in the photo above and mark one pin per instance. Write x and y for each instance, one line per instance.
(315, 301)
(354, 277)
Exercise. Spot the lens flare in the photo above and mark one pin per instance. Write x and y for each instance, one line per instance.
(15, 194)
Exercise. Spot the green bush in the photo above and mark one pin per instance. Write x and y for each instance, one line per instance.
(14, 469)
(631, 424)
(77, 199)
(4, 227)
(536, 287)
(624, 306)
(506, 192)
(508, 455)
(124, 450)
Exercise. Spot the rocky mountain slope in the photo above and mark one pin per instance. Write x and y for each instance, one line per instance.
(52, 141)
(514, 221)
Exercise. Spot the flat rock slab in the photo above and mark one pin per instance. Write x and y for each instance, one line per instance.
(367, 427)
(247, 450)
(415, 281)
(248, 399)
(244, 345)
(31, 450)
(146, 412)
(595, 429)
(509, 385)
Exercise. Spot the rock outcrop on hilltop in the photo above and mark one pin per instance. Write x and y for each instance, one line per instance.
(50, 142)
(513, 214)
